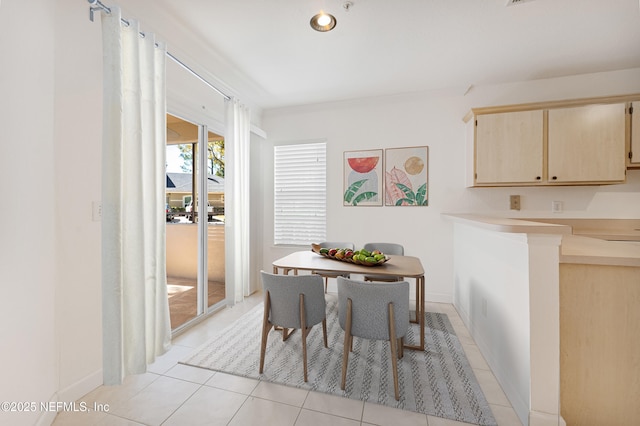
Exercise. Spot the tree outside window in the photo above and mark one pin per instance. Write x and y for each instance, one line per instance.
(215, 157)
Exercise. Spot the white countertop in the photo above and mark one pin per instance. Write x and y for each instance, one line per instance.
(579, 249)
(605, 229)
(514, 226)
(594, 251)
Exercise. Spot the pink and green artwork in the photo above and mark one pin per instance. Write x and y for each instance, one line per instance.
(406, 176)
(363, 178)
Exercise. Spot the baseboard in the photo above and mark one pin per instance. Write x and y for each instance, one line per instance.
(438, 297)
(47, 417)
(82, 387)
(70, 394)
(519, 404)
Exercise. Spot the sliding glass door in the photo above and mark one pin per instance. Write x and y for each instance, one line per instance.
(195, 221)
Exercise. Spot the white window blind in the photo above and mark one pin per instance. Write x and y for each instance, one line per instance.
(300, 197)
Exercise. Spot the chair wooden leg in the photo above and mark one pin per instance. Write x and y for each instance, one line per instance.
(286, 332)
(304, 331)
(419, 297)
(324, 332)
(326, 284)
(401, 347)
(347, 340)
(266, 327)
(394, 350)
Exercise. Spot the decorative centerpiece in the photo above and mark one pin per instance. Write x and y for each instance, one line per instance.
(360, 257)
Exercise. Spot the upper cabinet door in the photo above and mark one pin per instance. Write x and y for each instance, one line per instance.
(509, 147)
(587, 144)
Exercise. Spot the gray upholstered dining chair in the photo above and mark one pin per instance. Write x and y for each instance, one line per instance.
(292, 302)
(377, 311)
(326, 274)
(386, 248)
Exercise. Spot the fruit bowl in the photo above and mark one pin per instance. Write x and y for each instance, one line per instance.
(359, 257)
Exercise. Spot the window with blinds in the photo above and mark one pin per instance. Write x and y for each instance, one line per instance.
(300, 199)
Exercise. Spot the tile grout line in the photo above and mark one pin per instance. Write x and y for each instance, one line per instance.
(183, 402)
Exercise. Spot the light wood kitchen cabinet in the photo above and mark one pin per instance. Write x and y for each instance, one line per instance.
(634, 130)
(573, 142)
(599, 345)
(587, 144)
(509, 147)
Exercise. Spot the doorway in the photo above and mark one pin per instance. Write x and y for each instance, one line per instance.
(195, 248)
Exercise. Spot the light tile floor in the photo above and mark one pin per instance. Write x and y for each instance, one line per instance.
(175, 394)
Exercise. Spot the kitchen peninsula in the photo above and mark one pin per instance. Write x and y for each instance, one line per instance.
(555, 314)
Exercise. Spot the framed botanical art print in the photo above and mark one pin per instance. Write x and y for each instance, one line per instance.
(363, 178)
(406, 176)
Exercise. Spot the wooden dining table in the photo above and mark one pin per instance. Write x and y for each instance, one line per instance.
(399, 266)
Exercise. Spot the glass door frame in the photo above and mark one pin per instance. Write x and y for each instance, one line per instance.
(200, 169)
(203, 223)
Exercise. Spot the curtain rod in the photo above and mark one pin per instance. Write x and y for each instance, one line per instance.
(97, 5)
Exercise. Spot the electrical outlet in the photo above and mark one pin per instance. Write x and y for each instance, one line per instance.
(514, 202)
(556, 206)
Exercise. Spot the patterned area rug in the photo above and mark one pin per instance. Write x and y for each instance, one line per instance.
(438, 381)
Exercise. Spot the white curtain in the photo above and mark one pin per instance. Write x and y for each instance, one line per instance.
(238, 132)
(136, 326)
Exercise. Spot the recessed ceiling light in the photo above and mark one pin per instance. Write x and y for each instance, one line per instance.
(323, 22)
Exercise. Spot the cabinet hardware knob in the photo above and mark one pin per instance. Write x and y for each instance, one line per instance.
(537, 177)
(555, 177)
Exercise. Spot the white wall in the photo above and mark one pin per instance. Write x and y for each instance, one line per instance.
(50, 163)
(435, 119)
(506, 289)
(257, 198)
(77, 160)
(28, 359)
(492, 297)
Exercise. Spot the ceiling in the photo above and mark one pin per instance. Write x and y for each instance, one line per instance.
(180, 131)
(266, 52)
